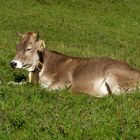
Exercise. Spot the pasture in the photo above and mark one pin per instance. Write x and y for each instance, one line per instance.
(83, 28)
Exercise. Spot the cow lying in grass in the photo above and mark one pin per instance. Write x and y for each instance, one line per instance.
(53, 70)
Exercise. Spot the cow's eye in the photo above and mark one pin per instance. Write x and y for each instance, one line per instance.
(28, 49)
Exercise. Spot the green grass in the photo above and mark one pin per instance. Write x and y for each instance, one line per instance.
(81, 28)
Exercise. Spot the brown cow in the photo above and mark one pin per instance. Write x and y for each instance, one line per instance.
(53, 70)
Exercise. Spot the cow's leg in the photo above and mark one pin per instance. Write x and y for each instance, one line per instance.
(125, 83)
(112, 85)
(56, 86)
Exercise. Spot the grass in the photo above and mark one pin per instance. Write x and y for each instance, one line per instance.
(78, 28)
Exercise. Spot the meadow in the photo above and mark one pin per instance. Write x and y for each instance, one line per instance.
(83, 28)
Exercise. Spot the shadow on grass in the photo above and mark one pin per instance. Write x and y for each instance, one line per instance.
(19, 77)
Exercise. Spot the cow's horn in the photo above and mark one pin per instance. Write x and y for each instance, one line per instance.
(19, 34)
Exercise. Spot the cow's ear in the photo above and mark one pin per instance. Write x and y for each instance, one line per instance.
(40, 45)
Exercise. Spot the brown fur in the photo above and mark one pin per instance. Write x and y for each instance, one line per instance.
(94, 76)
(81, 72)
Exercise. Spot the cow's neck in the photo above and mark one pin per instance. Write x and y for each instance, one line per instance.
(53, 56)
(52, 59)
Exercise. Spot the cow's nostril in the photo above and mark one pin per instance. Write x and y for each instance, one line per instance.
(13, 64)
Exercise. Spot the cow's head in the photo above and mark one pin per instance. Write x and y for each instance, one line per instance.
(27, 51)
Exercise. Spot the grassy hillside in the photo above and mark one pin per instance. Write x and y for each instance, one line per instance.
(81, 28)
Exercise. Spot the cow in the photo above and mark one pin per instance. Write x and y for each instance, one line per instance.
(95, 76)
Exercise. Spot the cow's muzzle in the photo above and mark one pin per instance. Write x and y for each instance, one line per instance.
(16, 64)
(13, 64)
